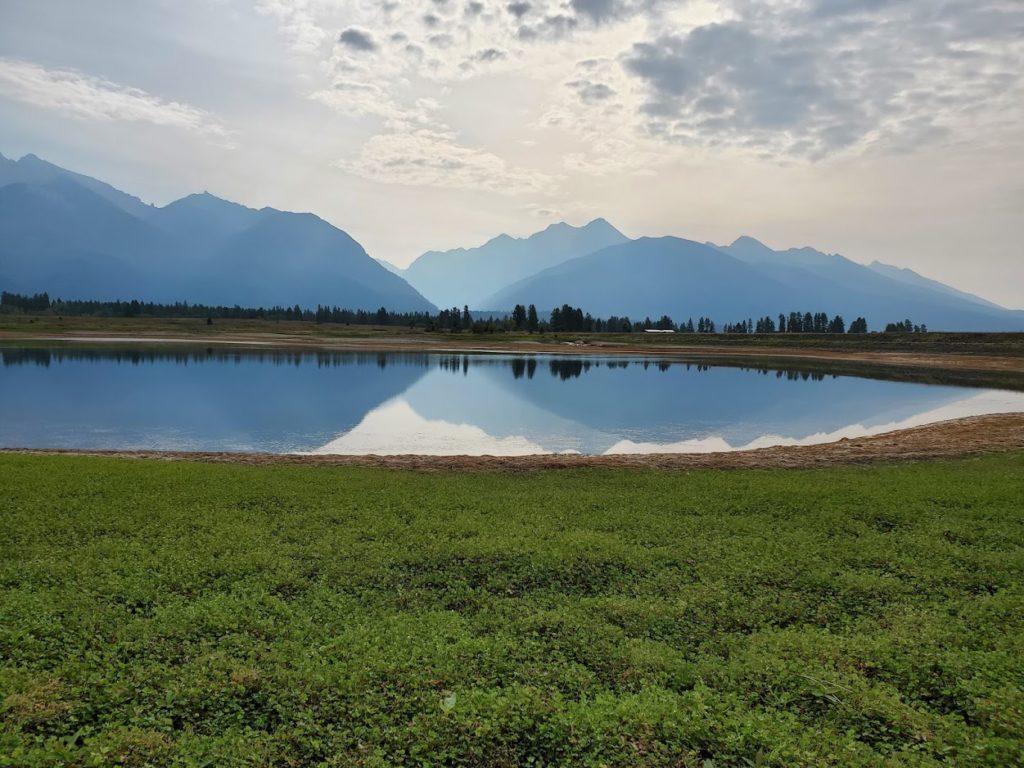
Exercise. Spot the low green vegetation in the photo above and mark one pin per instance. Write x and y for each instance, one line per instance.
(173, 613)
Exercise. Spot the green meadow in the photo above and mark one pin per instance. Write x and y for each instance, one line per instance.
(187, 614)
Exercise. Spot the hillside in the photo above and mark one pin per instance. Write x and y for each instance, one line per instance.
(652, 276)
(684, 279)
(76, 237)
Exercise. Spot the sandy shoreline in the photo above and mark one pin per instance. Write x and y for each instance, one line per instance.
(969, 436)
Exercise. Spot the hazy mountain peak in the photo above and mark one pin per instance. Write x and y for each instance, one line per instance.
(205, 199)
(203, 218)
(502, 238)
(34, 162)
(558, 226)
(808, 250)
(747, 248)
(598, 225)
(601, 224)
(746, 241)
(470, 275)
(31, 169)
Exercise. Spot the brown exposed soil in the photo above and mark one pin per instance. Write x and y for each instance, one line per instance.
(949, 439)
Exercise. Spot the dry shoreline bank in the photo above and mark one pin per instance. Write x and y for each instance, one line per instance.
(957, 438)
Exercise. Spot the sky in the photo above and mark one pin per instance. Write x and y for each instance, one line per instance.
(879, 129)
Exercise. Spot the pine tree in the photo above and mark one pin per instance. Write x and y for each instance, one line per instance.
(519, 317)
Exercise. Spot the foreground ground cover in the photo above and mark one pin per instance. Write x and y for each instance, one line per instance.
(178, 613)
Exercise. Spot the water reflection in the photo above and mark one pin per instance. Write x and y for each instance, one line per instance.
(369, 402)
(137, 356)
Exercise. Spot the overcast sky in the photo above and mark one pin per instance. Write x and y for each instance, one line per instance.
(880, 129)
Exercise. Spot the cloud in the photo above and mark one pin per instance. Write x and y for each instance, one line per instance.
(597, 10)
(435, 158)
(357, 39)
(818, 78)
(552, 28)
(591, 92)
(807, 79)
(601, 11)
(297, 23)
(91, 98)
(443, 40)
(356, 98)
(518, 9)
(489, 54)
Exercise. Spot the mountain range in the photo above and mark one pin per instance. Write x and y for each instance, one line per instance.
(77, 237)
(685, 279)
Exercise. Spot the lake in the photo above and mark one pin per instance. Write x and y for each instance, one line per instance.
(445, 404)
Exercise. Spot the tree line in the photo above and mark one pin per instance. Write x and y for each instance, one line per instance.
(41, 302)
(573, 319)
(905, 326)
(523, 318)
(795, 322)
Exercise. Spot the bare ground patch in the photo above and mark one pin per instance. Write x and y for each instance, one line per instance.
(948, 439)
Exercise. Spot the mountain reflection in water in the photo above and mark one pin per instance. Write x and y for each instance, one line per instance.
(217, 399)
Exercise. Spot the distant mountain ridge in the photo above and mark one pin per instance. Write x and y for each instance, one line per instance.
(684, 279)
(909, 276)
(32, 170)
(472, 275)
(878, 292)
(650, 276)
(77, 237)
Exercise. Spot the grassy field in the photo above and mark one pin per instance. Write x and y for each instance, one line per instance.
(173, 613)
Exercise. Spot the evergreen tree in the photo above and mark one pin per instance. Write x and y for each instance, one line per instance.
(519, 317)
(556, 319)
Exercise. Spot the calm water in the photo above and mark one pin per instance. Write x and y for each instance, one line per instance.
(444, 404)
